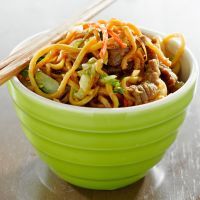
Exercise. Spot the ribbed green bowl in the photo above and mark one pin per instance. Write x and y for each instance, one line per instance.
(103, 148)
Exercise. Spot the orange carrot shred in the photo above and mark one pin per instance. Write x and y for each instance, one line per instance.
(105, 41)
(117, 39)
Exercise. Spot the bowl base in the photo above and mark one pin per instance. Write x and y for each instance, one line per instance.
(101, 185)
(36, 181)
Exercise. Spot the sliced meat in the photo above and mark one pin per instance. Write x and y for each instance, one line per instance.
(150, 53)
(152, 73)
(128, 70)
(112, 70)
(177, 86)
(112, 44)
(168, 76)
(117, 70)
(143, 93)
(156, 41)
(115, 56)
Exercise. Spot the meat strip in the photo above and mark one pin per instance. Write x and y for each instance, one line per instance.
(168, 76)
(115, 56)
(152, 73)
(143, 93)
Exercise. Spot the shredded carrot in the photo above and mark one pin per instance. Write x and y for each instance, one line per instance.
(105, 41)
(117, 39)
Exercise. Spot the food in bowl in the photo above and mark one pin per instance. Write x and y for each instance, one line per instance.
(107, 64)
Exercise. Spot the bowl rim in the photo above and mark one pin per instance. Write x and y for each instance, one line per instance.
(148, 106)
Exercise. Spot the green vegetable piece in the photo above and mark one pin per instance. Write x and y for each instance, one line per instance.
(86, 75)
(111, 79)
(46, 83)
(119, 90)
(77, 43)
(42, 57)
(88, 68)
(92, 60)
(84, 85)
(24, 72)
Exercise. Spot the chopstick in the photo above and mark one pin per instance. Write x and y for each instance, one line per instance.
(17, 61)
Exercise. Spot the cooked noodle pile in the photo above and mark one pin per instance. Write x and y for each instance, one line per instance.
(107, 64)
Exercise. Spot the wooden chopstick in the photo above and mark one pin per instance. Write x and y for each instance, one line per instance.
(58, 32)
(85, 14)
(17, 61)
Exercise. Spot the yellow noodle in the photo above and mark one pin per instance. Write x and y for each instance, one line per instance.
(96, 105)
(96, 34)
(46, 59)
(95, 54)
(98, 67)
(143, 47)
(66, 40)
(127, 58)
(73, 84)
(137, 64)
(96, 46)
(104, 101)
(84, 100)
(48, 70)
(131, 38)
(103, 91)
(140, 55)
(117, 22)
(132, 79)
(57, 66)
(176, 68)
(162, 89)
(112, 96)
(61, 56)
(60, 91)
(68, 64)
(124, 85)
(180, 51)
(158, 52)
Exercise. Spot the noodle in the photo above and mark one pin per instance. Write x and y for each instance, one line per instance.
(181, 48)
(107, 64)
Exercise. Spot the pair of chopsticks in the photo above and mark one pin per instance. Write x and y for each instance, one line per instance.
(17, 61)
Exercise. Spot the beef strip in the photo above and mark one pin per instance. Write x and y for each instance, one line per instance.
(169, 77)
(112, 70)
(118, 70)
(115, 56)
(150, 54)
(143, 93)
(152, 72)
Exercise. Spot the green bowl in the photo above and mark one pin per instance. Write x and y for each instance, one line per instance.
(103, 148)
